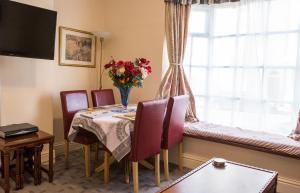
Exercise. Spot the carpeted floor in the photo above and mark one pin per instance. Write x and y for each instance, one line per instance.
(74, 181)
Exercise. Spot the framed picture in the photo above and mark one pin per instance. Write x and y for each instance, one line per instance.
(76, 48)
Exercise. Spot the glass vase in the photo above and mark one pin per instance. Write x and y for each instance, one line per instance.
(124, 91)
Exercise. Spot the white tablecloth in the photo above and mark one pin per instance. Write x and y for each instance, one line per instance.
(112, 132)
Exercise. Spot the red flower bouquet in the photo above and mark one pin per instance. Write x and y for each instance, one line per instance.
(127, 74)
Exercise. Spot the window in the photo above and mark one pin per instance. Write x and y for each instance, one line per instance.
(242, 62)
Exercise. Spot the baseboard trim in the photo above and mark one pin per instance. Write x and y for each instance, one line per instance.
(45, 157)
(289, 181)
(191, 161)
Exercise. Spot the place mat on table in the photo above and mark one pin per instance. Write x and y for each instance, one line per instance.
(93, 113)
(109, 106)
(129, 116)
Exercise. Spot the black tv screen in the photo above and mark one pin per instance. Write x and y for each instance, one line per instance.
(26, 31)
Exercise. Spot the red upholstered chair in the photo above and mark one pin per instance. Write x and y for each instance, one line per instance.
(72, 102)
(103, 97)
(146, 139)
(173, 129)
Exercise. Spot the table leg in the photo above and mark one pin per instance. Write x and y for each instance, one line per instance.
(2, 163)
(22, 168)
(50, 173)
(36, 165)
(39, 165)
(6, 172)
(18, 169)
(106, 167)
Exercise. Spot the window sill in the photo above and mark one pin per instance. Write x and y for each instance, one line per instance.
(260, 141)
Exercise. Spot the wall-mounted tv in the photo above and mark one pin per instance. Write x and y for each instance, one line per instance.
(26, 31)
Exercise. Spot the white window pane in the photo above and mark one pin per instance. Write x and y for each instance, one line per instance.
(279, 85)
(198, 81)
(200, 51)
(253, 17)
(187, 55)
(248, 115)
(221, 82)
(284, 15)
(200, 107)
(220, 111)
(224, 51)
(225, 21)
(294, 15)
(197, 21)
(278, 118)
(187, 72)
(248, 83)
(282, 49)
(250, 51)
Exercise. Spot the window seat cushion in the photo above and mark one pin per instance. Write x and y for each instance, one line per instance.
(261, 141)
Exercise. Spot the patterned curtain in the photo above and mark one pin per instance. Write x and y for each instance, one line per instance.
(188, 2)
(175, 82)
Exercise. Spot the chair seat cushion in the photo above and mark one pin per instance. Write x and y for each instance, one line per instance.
(261, 141)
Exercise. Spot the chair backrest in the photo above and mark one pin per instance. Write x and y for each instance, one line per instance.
(174, 121)
(103, 97)
(148, 129)
(72, 102)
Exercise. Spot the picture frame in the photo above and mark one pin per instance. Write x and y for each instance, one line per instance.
(76, 48)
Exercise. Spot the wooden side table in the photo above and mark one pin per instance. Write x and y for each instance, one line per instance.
(18, 144)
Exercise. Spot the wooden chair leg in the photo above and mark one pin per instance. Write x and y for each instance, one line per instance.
(157, 170)
(87, 158)
(166, 163)
(180, 157)
(127, 171)
(135, 173)
(67, 153)
(106, 167)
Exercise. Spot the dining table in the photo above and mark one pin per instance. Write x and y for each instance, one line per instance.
(112, 124)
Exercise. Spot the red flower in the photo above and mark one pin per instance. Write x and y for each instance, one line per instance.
(135, 72)
(149, 69)
(144, 61)
(120, 63)
(129, 66)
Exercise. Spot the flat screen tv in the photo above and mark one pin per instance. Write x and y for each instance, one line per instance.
(26, 31)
